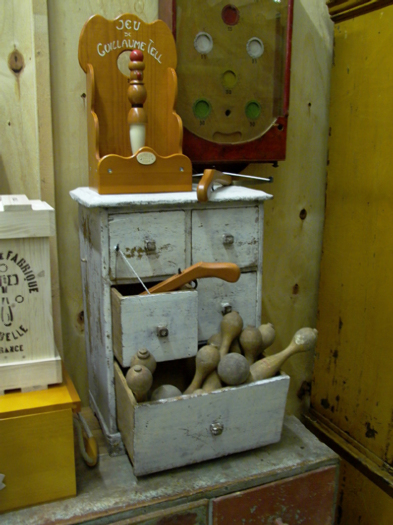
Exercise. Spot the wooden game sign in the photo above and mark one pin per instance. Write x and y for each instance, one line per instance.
(119, 102)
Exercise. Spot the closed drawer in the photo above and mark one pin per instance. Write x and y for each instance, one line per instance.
(307, 499)
(164, 323)
(217, 297)
(179, 431)
(154, 244)
(226, 235)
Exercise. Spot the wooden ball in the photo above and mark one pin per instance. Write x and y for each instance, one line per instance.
(136, 55)
(233, 369)
(165, 392)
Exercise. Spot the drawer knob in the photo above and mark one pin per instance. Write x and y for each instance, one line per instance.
(226, 308)
(150, 245)
(216, 429)
(228, 239)
(162, 331)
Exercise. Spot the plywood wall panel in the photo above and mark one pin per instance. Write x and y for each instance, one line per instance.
(26, 148)
(294, 218)
(68, 83)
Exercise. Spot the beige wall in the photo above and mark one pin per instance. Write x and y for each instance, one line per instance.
(292, 246)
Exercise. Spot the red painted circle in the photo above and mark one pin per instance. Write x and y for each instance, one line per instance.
(136, 55)
(230, 15)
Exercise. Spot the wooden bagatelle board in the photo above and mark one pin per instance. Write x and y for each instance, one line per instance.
(233, 71)
(104, 49)
(28, 356)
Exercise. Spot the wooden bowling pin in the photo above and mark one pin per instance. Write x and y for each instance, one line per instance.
(206, 360)
(137, 117)
(233, 369)
(268, 335)
(215, 340)
(303, 341)
(139, 379)
(212, 382)
(145, 358)
(231, 327)
(165, 392)
(251, 342)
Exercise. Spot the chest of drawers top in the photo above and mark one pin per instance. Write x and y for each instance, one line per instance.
(229, 195)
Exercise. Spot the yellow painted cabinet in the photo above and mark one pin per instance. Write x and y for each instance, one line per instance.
(352, 392)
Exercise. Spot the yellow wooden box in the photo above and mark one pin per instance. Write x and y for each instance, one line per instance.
(37, 445)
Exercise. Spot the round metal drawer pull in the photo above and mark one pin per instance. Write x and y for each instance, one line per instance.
(162, 331)
(228, 239)
(150, 246)
(216, 429)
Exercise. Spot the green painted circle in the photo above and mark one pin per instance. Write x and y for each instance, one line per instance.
(201, 108)
(253, 109)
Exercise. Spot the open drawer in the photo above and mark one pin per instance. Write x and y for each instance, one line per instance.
(179, 431)
(164, 323)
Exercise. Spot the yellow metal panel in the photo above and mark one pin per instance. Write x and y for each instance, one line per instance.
(360, 501)
(37, 458)
(354, 366)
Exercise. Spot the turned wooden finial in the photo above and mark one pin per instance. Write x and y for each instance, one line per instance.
(137, 118)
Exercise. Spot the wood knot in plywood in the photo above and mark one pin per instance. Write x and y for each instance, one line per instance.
(16, 62)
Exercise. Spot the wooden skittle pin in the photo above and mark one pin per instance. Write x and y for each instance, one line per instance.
(304, 340)
(251, 342)
(137, 118)
(139, 379)
(206, 360)
(231, 327)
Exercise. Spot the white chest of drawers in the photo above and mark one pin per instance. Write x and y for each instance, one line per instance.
(160, 234)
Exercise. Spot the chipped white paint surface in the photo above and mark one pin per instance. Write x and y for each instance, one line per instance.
(230, 235)
(178, 431)
(244, 296)
(91, 199)
(136, 320)
(154, 243)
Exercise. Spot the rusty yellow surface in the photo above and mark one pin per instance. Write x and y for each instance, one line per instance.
(352, 387)
(361, 501)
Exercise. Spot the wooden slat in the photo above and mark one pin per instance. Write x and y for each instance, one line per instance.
(343, 9)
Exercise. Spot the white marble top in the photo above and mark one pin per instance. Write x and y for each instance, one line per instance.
(91, 199)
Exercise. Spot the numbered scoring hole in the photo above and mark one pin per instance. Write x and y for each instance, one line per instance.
(201, 108)
(230, 15)
(255, 47)
(203, 43)
(253, 110)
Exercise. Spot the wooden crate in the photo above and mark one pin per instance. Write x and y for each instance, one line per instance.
(28, 357)
(174, 432)
(165, 323)
(37, 445)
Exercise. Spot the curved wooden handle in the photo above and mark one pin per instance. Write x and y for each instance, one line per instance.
(227, 271)
(209, 177)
